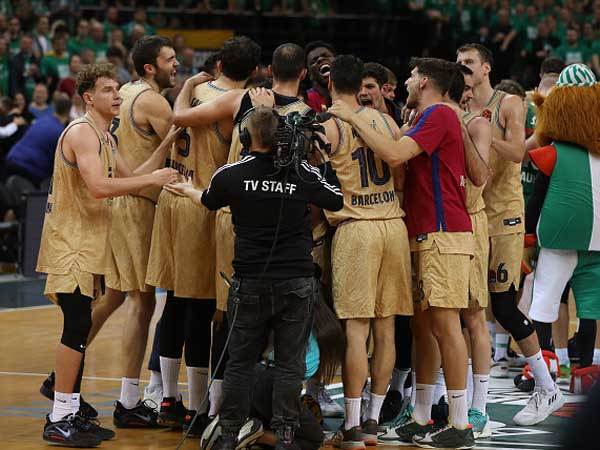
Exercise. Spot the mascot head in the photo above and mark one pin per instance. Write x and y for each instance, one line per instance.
(571, 111)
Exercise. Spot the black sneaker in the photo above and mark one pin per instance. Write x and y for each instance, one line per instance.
(369, 432)
(391, 406)
(172, 413)
(407, 432)
(198, 424)
(439, 412)
(93, 426)
(225, 443)
(447, 437)
(250, 432)
(47, 390)
(350, 439)
(141, 415)
(69, 432)
(285, 439)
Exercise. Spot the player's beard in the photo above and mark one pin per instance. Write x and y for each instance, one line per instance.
(412, 101)
(163, 79)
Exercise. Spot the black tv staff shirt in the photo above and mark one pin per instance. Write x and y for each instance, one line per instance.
(254, 192)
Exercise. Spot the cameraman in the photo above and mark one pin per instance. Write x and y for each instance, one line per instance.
(273, 285)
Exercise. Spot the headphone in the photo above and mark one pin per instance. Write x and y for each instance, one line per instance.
(244, 134)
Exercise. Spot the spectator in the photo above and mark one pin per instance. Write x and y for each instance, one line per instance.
(41, 38)
(117, 39)
(111, 21)
(503, 43)
(87, 56)
(573, 51)
(55, 65)
(116, 58)
(77, 108)
(137, 33)
(98, 43)
(82, 39)
(20, 108)
(9, 127)
(139, 19)
(32, 156)
(588, 36)
(178, 42)
(389, 89)
(39, 106)
(67, 84)
(551, 65)
(25, 69)
(4, 68)
(14, 35)
(186, 68)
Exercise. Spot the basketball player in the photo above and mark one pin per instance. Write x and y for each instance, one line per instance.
(389, 88)
(74, 243)
(504, 207)
(371, 289)
(480, 135)
(319, 56)
(372, 95)
(440, 235)
(185, 267)
(144, 121)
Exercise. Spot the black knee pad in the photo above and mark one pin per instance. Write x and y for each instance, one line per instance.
(77, 313)
(504, 306)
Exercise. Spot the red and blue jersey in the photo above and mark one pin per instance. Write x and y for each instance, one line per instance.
(434, 193)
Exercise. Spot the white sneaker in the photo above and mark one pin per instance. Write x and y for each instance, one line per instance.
(329, 407)
(540, 405)
(499, 369)
(155, 394)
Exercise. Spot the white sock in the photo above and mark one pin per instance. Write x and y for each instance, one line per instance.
(481, 384)
(216, 397)
(596, 356)
(197, 386)
(352, 412)
(469, 382)
(492, 329)
(413, 393)
(440, 387)
(541, 374)
(375, 406)
(399, 377)
(457, 406)
(501, 341)
(423, 402)
(75, 402)
(62, 406)
(169, 369)
(130, 392)
(155, 380)
(563, 357)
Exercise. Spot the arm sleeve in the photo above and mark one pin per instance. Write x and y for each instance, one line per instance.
(321, 192)
(536, 201)
(215, 197)
(8, 130)
(431, 128)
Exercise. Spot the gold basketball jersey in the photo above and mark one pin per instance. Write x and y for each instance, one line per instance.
(474, 193)
(76, 224)
(136, 145)
(366, 180)
(503, 194)
(200, 151)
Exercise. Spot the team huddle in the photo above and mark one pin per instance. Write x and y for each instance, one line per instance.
(429, 237)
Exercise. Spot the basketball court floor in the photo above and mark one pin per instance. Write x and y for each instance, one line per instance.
(30, 328)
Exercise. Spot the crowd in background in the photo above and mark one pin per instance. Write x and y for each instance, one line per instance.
(44, 44)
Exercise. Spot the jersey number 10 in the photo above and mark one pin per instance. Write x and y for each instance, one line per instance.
(368, 167)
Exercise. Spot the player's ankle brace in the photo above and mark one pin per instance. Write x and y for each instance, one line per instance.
(504, 306)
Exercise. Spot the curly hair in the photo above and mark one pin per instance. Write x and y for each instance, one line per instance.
(87, 77)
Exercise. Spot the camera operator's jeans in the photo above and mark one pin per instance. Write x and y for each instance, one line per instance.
(286, 307)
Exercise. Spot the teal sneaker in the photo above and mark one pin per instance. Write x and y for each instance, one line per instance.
(404, 417)
(481, 424)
